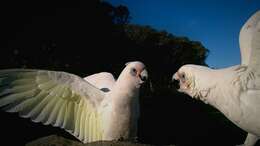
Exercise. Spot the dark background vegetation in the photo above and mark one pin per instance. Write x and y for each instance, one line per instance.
(90, 36)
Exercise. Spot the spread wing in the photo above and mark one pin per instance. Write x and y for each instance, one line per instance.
(250, 49)
(103, 81)
(57, 98)
(254, 61)
(246, 36)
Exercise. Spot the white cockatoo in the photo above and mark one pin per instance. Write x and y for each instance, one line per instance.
(92, 109)
(235, 91)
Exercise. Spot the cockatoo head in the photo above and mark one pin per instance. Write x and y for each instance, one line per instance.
(193, 80)
(136, 73)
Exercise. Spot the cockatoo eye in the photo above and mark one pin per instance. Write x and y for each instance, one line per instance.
(183, 76)
(133, 72)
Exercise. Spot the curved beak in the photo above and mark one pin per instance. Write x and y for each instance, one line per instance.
(143, 75)
(176, 81)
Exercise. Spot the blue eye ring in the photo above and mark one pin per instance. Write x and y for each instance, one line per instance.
(133, 71)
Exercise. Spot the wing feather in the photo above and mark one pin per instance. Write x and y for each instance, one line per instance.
(255, 56)
(250, 53)
(246, 36)
(87, 118)
(57, 98)
(82, 125)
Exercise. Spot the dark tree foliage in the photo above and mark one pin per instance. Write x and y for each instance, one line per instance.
(86, 37)
(89, 36)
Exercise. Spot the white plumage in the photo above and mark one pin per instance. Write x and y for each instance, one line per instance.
(235, 91)
(97, 108)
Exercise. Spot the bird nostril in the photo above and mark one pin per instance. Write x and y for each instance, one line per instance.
(176, 83)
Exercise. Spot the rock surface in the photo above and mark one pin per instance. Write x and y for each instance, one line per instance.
(54, 140)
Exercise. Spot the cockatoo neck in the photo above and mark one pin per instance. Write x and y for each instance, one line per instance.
(213, 84)
(125, 90)
(204, 84)
(225, 80)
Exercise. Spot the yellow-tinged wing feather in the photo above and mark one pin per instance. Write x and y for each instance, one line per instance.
(57, 98)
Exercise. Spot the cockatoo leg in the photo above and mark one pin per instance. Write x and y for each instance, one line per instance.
(251, 140)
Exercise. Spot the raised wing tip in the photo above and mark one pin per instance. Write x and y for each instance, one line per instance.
(255, 16)
(257, 12)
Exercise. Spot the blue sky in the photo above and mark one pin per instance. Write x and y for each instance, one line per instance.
(215, 23)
